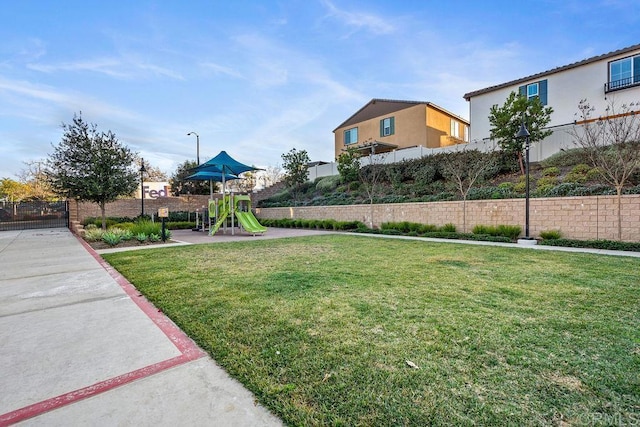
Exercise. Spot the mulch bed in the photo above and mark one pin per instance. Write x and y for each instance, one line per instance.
(127, 244)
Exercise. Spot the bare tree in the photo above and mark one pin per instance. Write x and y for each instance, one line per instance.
(612, 143)
(465, 169)
(35, 178)
(370, 174)
(269, 176)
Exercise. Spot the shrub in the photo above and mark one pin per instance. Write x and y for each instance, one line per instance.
(509, 231)
(180, 225)
(153, 237)
(551, 171)
(550, 234)
(147, 227)
(93, 234)
(595, 244)
(328, 224)
(448, 228)
(566, 158)
(141, 237)
(90, 227)
(328, 183)
(111, 238)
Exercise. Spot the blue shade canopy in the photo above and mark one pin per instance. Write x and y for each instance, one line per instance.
(225, 163)
(210, 176)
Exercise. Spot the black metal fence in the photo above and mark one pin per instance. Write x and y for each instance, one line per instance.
(28, 215)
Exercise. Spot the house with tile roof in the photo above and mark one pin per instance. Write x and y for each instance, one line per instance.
(384, 125)
(599, 80)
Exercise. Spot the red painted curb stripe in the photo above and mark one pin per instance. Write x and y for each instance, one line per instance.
(190, 351)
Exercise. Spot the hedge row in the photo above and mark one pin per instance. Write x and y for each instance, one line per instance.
(324, 224)
(595, 244)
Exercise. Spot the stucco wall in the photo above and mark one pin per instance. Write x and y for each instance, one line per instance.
(577, 217)
(565, 90)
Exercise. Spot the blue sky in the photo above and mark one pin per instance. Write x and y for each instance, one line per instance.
(258, 78)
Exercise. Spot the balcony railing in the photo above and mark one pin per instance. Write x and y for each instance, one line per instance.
(622, 84)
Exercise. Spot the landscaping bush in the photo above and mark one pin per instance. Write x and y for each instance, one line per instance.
(550, 234)
(179, 225)
(111, 238)
(147, 227)
(509, 231)
(93, 234)
(328, 183)
(595, 244)
(448, 228)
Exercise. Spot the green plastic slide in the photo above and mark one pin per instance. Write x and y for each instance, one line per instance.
(222, 216)
(250, 223)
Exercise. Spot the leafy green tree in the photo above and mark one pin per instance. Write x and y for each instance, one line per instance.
(612, 143)
(506, 120)
(295, 163)
(349, 165)
(89, 165)
(179, 184)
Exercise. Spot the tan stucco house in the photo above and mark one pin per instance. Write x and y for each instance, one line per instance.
(385, 125)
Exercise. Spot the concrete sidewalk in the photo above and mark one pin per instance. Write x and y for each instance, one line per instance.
(80, 346)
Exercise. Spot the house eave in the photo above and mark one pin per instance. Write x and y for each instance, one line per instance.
(612, 54)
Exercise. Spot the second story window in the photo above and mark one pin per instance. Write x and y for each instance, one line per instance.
(624, 72)
(535, 90)
(455, 129)
(351, 136)
(387, 126)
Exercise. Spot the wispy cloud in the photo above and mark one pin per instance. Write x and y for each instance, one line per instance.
(120, 68)
(221, 69)
(359, 20)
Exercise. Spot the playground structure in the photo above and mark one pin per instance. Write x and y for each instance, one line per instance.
(234, 207)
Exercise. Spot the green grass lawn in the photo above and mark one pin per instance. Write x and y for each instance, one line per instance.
(321, 328)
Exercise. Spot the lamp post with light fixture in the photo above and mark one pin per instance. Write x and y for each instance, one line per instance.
(142, 171)
(197, 146)
(523, 133)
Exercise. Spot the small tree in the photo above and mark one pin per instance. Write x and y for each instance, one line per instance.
(180, 185)
(246, 183)
(91, 166)
(371, 176)
(295, 164)
(349, 165)
(506, 120)
(465, 169)
(612, 143)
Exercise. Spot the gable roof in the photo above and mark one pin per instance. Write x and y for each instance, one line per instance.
(379, 107)
(622, 51)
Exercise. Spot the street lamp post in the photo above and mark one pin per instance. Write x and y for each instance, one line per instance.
(524, 133)
(197, 145)
(142, 171)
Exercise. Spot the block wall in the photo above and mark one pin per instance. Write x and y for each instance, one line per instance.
(582, 218)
